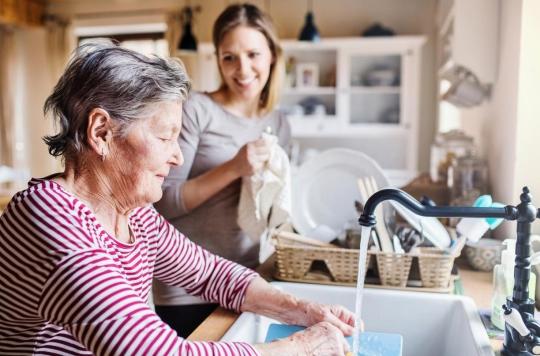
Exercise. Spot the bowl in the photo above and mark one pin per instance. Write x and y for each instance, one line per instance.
(380, 77)
(484, 254)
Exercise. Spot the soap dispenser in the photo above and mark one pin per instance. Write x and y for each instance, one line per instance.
(503, 283)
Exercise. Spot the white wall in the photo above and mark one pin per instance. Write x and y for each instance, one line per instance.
(501, 123)
(507, 126)
(527, 167)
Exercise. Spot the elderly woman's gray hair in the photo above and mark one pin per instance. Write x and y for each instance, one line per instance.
(120, 81)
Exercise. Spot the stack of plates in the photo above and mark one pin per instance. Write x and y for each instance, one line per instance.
(325, 188)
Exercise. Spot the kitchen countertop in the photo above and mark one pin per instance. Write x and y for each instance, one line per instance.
(476, 284)
(4, 200)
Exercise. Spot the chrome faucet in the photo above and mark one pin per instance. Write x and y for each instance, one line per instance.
(522, 331)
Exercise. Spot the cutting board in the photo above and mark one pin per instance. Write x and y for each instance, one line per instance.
(371, 343)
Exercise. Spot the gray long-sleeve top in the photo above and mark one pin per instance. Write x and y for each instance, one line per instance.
(211, 136)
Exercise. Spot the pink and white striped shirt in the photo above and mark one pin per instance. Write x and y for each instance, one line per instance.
(67, 287)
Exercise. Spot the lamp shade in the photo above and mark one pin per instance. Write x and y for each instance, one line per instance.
(187, 42)
(309, 32)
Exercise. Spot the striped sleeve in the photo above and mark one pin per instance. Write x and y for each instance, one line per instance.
(88, 297)
(64, 293)
(184, 264)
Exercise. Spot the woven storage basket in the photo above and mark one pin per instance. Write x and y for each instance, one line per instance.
(435, 267)
(394, 268)
(295, 259)
(296, 256)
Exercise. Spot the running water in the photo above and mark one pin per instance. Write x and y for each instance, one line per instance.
(364, 239)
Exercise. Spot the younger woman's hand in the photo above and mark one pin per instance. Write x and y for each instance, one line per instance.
(251, 157)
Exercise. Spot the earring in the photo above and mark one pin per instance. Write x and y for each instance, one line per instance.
(102, 155)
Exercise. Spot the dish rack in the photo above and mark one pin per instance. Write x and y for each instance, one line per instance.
(300, 259)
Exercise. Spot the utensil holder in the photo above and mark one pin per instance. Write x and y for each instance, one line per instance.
(299, 260)
(394, 268)
(435, 267)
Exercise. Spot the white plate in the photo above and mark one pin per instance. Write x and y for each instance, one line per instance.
(325, 188)
(432, 228)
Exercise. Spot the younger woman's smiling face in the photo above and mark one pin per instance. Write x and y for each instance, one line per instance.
(244, 59)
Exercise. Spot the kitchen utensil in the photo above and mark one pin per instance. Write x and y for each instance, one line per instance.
(324, 189)
(358, 206)
(409, 238)
(367, 187)
(304, 239)
(323, 233)
(397, 244)
(431, 228)
(353, 237)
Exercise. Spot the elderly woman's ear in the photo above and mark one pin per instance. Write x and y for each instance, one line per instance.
(99, 131)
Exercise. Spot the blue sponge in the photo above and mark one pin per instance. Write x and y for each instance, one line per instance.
(371, 343)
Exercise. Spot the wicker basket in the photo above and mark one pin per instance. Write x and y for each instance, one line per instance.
(295, 259)
(302, 259)
(435, 267)
(394, 268)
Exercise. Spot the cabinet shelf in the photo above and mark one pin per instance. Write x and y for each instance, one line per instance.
(375, 90)
(310, 91)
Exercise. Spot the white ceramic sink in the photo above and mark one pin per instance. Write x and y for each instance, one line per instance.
(431, 324)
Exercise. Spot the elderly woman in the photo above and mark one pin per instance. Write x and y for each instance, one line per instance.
(78, 249)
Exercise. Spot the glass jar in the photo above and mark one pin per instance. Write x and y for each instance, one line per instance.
(448, 146)
(467, 179)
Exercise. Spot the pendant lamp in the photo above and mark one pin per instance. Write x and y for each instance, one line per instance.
(309, 32)
(187, 42)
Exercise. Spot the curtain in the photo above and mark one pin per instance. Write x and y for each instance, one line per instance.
(7, 62)
(174, 31)
(58, 46)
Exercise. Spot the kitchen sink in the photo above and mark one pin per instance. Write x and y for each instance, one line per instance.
(431, 324)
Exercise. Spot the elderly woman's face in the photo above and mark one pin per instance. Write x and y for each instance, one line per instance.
(142, 159)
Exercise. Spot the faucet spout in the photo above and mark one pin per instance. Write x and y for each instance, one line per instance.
(368, 217)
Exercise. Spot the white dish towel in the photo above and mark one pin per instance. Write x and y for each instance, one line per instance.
(265, 198)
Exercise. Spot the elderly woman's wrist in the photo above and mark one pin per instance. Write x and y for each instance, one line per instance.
(279, 348)
(264, 299)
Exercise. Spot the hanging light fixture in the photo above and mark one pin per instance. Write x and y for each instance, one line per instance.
(462, 88)
(309, 32)
(187, 42)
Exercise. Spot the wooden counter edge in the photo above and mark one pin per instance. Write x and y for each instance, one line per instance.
(215, 326)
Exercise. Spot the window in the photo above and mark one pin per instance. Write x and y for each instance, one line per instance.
(146, 43)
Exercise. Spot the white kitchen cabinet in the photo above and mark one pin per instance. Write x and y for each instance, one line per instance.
(377, 112)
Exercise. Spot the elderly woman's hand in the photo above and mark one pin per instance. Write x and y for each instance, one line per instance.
(310, 313)
(322, 339)
(251, 157)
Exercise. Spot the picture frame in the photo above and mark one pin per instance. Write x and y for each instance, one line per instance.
(307, 75)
